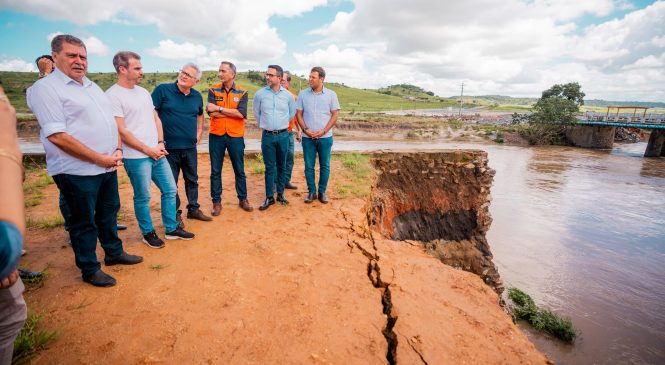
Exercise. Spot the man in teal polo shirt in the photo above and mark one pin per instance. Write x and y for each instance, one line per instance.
(180, 108)
(274, 106)
(317, 111)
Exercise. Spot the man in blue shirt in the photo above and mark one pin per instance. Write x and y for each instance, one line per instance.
(274, 106)
(180, 108)
(317, 111)
(83, 152)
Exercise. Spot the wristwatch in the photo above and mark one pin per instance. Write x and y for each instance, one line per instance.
(220, 109)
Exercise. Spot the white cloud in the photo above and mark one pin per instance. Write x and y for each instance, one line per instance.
(171, 50)
(15, 64)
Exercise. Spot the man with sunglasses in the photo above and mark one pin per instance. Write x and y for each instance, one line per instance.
(180, 108)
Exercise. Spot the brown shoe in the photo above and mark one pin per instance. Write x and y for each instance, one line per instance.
(198, 214)
(244, 204)
(216, 209)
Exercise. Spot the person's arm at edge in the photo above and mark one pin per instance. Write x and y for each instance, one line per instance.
(256, 107)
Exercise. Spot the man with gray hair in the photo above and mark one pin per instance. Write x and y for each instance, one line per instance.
(143, 148)
(83, 152)
(180, 108)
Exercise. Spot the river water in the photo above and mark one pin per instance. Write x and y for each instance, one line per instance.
(583, 232)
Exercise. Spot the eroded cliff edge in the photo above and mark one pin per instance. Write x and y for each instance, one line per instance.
(439, 199)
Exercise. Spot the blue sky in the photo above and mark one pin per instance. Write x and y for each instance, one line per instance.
(614, 48)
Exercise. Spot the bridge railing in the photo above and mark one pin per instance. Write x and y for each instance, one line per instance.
(624, 118)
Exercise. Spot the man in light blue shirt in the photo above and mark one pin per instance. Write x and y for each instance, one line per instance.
(83, 152)
(274, 106)
(317, 111)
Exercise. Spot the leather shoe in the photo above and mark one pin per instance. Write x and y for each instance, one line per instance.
(178, 218)
(288, 185)
(216, 209)
(323, 198)
(122, 259)
(99, 278)
(121, 227)
(244, 204)
(281, 199)
(310, 198)
(266, 204)
(198, 214)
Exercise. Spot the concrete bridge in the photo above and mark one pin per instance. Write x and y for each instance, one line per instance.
(596, 130)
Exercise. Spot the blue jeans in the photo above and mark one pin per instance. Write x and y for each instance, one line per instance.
(64, 210)
(217, 145)
(185, 160)
(310, 148)
(141, 171)
(290, 155)
(93, 203)
(274, 148)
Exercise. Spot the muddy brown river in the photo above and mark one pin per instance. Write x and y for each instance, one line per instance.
(583, 232)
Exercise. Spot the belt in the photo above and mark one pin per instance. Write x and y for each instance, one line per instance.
(275, 131)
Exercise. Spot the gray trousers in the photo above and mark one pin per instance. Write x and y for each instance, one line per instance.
(13, 313)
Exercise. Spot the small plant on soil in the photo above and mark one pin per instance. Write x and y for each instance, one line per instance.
(31, 340)
(541, 319)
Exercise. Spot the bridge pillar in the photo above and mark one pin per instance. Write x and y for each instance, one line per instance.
(596, 136)
(656, 145)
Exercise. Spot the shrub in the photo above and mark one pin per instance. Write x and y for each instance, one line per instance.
(542, 320)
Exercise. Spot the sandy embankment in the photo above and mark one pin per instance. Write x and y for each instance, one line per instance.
(286, 286)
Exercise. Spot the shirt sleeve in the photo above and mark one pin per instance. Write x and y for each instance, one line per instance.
(242, 106)
(200, 105)
(299, 101)
(11, 243)
(211, 98)
(116, 105)
(44, 102)
(334, 103)
(157, 97)
(256, 107)
(292, 106)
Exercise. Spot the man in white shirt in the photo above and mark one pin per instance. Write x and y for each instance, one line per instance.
(83, 152)
(143, 149)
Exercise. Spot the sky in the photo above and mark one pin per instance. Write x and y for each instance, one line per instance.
(614, 48)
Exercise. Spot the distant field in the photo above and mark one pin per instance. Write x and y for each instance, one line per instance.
(352, 100)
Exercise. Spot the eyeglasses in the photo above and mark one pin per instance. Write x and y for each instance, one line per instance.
(270, 75)
(182, 72)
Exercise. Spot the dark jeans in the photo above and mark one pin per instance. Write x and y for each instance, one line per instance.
(64, 210)
(93, 203)
(185, 160)
(290, 155)
(217, 146)
(310, 148)
(274, 148)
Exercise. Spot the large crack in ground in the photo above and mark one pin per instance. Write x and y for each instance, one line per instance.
(374, 275)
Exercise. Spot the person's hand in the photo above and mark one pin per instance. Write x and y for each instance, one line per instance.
(45, 66)
(210, 107)
(111, 162)
(298, 135)
(155, 153)
(162, 149)
(9, 280)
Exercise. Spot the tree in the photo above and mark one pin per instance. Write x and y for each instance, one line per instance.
(558, 104)
(555, 109)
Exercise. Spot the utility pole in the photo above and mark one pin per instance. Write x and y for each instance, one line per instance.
(461, 101)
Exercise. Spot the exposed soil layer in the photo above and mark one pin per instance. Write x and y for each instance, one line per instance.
(296, 284)
(440, 199)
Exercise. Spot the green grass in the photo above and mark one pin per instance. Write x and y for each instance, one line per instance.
(32, 191)
(31, 340)
(541, 319)
(46, 223)
(356, 172)
(255, 164)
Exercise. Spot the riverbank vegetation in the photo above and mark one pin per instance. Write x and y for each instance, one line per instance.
(541, 319)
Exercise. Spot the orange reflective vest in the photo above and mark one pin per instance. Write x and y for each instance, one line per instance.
(227, 99)
(293, 121)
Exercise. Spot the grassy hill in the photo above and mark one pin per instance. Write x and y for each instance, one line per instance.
(352, 100)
